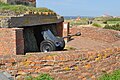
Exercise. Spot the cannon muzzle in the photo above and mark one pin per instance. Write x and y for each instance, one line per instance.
(69, 36)
(78, 34)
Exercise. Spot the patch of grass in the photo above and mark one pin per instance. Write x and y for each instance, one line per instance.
(21, 8)
(113, 76)
(96, 25)
(40, 77)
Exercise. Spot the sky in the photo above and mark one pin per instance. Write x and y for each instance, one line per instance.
(82, 7)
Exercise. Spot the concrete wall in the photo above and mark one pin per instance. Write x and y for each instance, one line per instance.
(73, 65)
(33, 20)
(66, 30)
(30, 40)
(11, 41)
(29, 20)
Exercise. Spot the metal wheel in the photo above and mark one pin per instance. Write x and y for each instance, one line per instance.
(47, 46)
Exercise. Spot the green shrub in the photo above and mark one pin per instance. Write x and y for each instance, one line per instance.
(40, 77)
(113, 76)
(96, 25)
(114, 27)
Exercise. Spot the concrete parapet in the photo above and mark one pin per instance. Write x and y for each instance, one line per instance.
(29, 20)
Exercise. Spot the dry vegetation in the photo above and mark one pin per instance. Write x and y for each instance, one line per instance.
(21, 8)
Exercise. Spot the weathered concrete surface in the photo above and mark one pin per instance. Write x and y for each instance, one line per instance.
(29, 20)
(4, 22)
(5, 76)
(30, 41)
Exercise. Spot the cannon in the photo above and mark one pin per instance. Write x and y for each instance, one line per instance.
(53, 43)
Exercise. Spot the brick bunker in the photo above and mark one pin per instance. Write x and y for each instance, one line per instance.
(21, 34)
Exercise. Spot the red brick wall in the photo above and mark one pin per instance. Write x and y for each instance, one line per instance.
(69, 65)
(97, 33)
(11, 41)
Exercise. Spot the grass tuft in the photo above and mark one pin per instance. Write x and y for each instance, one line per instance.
(21, 8)
(112, 76)
(40, 77)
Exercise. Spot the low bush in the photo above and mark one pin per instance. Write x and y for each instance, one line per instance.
(96, 25)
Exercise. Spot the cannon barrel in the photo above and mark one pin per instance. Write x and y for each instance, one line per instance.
(69, 36)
